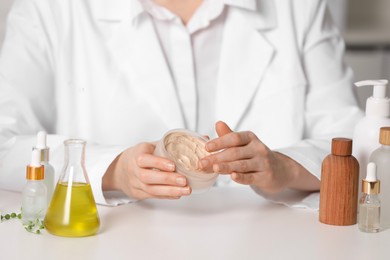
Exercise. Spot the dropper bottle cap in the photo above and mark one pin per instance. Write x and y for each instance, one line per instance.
(35, 171)
(378, 104)
(41, 146)
(371, 185)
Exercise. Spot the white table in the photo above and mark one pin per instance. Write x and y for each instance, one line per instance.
(224, 223)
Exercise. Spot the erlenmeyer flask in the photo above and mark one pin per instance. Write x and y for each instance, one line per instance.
(72, 211)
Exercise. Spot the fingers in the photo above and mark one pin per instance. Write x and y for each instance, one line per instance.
(227, 155)
(244, 178)
(232, 139)
(162, 191)
(159, 193)
(157, 178)
(240, 159)
(159, 184)
(142, 175)
(240, 166)
(153, 162)
(222, 128)
(236, 158)
(163, 178)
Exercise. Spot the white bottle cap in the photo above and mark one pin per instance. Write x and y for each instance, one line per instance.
(35, 159)
(371, 172)
(41, 140)
(41, 146)
(378, 104)
(371, 185)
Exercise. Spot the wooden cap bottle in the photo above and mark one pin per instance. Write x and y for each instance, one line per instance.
(339, 185)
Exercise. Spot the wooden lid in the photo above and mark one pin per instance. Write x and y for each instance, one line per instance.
(384, 136)
(341, 146)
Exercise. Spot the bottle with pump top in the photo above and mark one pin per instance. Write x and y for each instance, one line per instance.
(366, 133)
(381, 157)
(34, 195)
(49, 169)
(72, 211)
(369, 203)
(339, 185)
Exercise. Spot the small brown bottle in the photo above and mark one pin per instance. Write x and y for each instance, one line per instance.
(339, 185)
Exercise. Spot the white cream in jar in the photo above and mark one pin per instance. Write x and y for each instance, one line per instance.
(185, 148)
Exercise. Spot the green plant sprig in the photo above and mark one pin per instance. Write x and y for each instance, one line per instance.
(35, 226)
(11, 216)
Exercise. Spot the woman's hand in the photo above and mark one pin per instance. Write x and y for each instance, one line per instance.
(142, 175)
(250, 162)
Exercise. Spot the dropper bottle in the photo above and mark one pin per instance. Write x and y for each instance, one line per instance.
(44, 150)
(34, 197)
(369, 203)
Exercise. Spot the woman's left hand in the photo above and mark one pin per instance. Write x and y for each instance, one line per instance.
(249, 161)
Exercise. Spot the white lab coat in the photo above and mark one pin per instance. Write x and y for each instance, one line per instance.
(94, 69)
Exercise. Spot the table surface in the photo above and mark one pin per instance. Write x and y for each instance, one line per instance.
(223, 223)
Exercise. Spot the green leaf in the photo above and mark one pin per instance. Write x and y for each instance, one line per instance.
(34, 226)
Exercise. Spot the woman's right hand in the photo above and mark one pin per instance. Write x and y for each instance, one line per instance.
(141, 175)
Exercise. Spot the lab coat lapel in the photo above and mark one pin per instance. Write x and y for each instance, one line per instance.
(245, 57)
(133, 40)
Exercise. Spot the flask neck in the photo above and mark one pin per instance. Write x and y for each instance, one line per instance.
(74, 168)
(74, 155)
(74, 152)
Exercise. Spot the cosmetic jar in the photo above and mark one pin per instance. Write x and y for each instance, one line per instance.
(185, 148)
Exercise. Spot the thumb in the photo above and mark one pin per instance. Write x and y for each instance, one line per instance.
(222, 128)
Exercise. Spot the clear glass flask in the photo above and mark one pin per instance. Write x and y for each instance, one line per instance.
(72, 211)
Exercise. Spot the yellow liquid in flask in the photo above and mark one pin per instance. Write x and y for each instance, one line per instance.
(72, 211)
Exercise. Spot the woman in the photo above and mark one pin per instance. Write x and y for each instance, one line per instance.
(121, 73)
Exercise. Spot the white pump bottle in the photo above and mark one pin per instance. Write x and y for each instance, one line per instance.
(366, 134)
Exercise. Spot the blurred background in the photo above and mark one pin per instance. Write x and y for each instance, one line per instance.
(365, 25)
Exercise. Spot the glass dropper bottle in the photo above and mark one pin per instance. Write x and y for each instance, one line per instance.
(369, 203)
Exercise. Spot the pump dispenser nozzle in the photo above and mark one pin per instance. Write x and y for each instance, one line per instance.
(378, 104)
